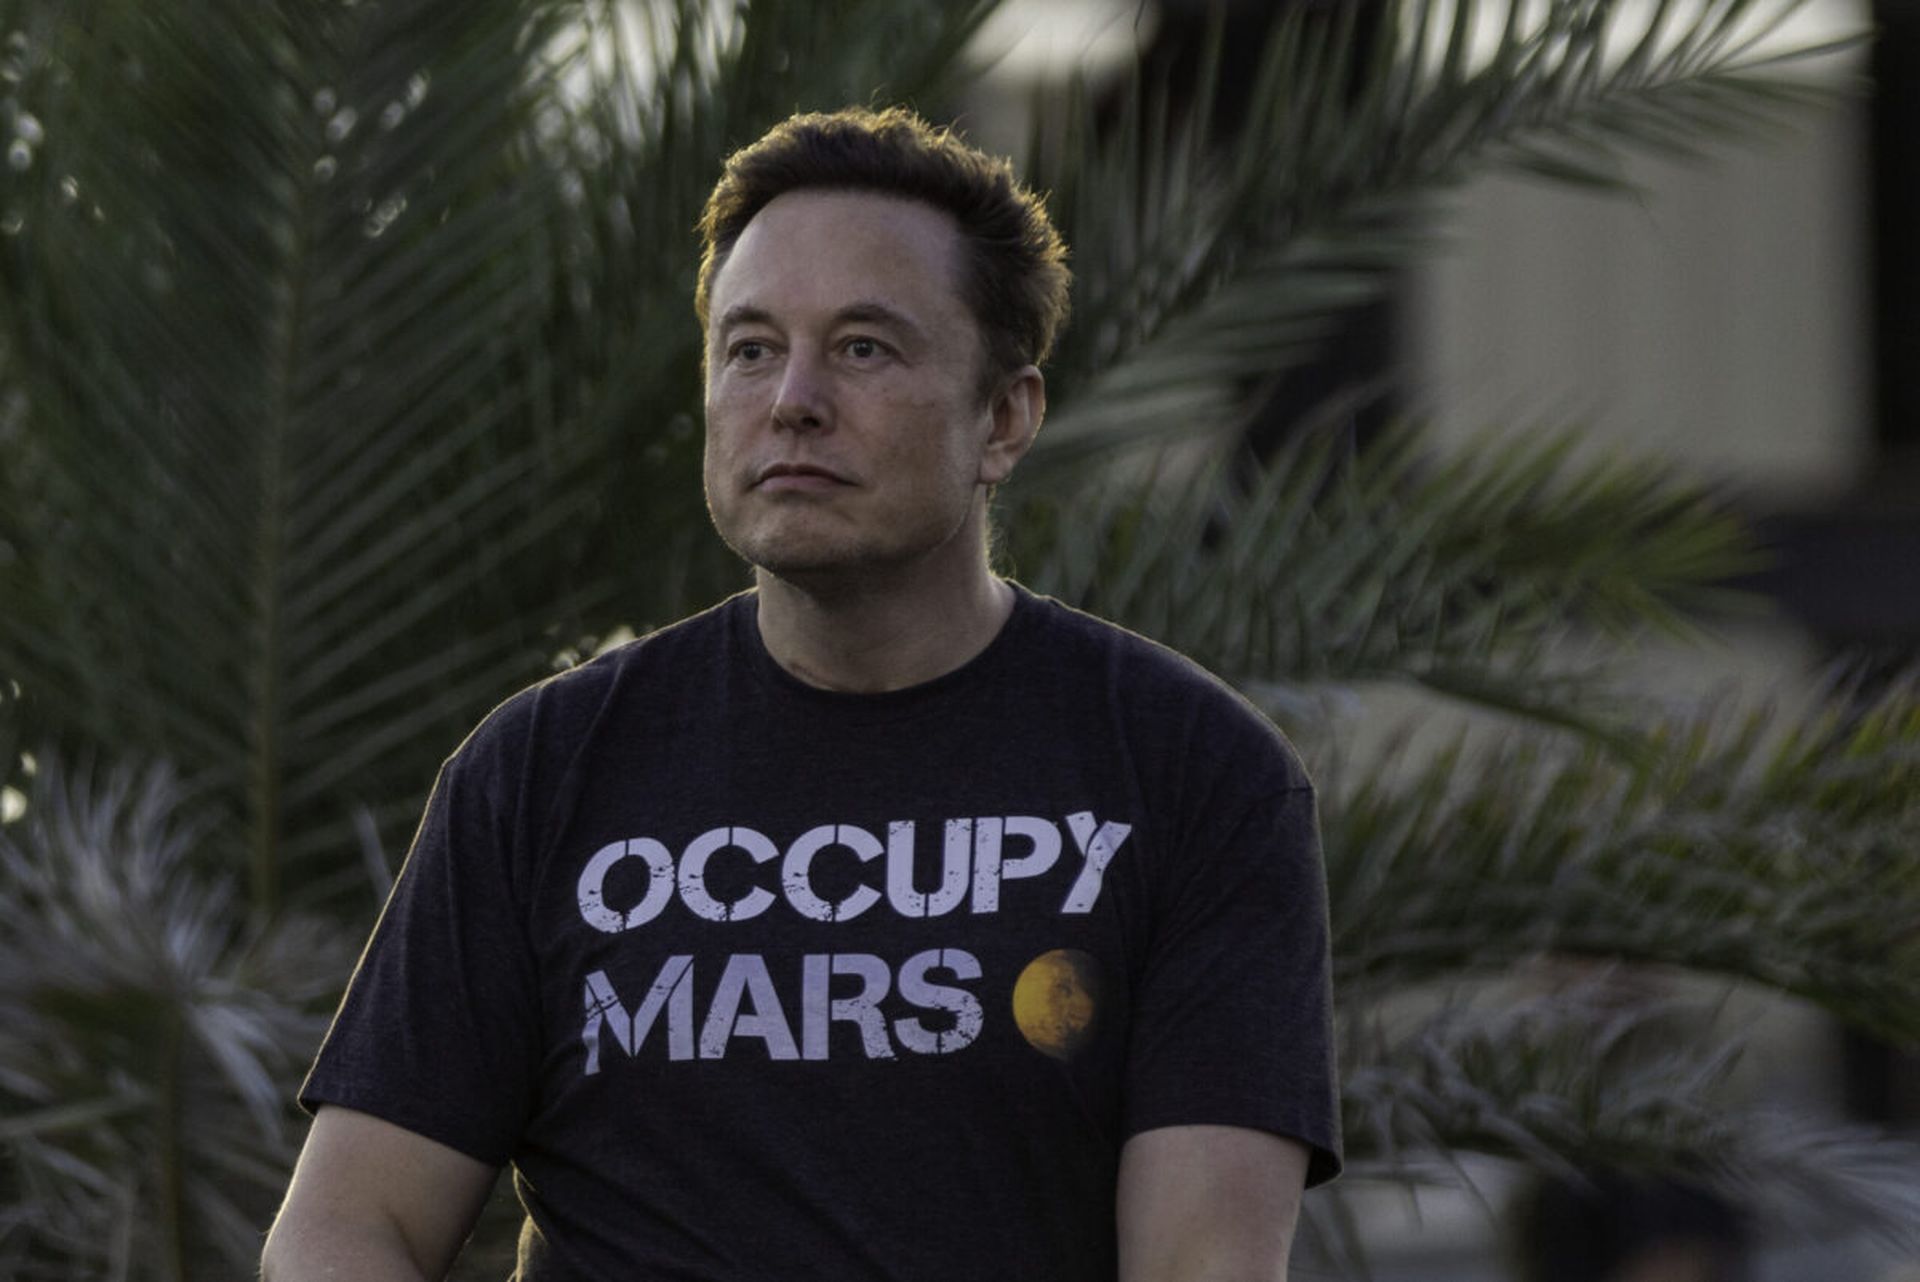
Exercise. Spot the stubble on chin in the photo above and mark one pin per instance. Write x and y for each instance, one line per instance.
(796, 554)
(825, 548)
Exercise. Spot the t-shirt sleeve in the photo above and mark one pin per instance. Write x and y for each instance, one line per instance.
(1232, 1020)
(434, 1033)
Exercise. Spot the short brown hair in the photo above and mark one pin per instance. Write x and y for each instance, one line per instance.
(1015, 276)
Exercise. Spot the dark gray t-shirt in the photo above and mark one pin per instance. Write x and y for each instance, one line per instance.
(751, 980)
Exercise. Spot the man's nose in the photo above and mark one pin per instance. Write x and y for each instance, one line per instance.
(803, 401)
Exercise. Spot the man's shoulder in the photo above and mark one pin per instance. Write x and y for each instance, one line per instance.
(1154, 686)
(1085, 637)
(1138, 666)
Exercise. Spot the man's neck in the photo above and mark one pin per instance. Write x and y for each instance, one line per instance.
(871, 639)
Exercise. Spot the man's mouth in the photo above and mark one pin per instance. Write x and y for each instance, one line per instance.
(797, 476)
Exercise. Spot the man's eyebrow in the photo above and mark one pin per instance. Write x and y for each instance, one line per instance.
(875, 313)
(744, 314)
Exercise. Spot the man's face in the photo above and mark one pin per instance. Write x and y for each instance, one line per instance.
(847, 435)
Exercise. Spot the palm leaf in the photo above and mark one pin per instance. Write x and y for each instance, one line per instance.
(1202, 270)
(1574, 1081)
(1467, 574)
(147, 1038)
(331, 438)
(238, 517)
(1766, 849)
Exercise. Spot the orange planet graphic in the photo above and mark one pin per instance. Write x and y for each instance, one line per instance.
(1056, 999)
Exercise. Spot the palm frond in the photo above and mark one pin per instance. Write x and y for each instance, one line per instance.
(1573, 1082)
(1776, 851)
(148, 1038)
(332, 439)
(1466, 573)
(284, 463)
(1202, 270)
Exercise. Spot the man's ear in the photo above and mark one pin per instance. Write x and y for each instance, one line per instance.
(1017, 408)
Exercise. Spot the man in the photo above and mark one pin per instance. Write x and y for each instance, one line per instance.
(885, 921)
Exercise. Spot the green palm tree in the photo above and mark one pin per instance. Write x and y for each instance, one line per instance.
(348, 382)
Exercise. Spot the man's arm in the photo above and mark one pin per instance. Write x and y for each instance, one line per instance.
(1208, 1204)
(373, 1202)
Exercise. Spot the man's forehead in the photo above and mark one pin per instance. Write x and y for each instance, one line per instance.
(849, 249)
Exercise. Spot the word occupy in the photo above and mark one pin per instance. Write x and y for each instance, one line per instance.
(975, 858)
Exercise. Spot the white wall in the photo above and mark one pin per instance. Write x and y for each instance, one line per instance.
(1716, 318)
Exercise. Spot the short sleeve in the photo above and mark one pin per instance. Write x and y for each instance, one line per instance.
(1232, 1021)
(434, 1032)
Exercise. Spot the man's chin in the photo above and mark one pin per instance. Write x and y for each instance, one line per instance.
(800, 560)
(818, 559)
(828, 572)
(815, 573)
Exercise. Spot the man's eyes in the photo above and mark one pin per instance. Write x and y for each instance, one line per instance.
(748, 351)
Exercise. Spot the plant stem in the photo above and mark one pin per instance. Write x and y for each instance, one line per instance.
(170, 1190)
